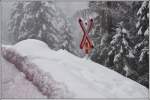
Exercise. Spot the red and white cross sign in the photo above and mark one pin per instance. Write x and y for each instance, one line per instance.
(86, 43)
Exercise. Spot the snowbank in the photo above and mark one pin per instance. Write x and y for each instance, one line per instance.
(42, 80)
(14, 83)
(59, 74)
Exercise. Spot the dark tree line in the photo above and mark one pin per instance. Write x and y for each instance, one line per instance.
(121, 38)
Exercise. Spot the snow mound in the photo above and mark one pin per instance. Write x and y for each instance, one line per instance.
(59, 74)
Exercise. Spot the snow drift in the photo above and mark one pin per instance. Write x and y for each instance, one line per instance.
(59, 74)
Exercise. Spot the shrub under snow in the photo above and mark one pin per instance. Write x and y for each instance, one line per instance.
(42, 80)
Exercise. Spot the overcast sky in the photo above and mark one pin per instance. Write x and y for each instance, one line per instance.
(69, 8)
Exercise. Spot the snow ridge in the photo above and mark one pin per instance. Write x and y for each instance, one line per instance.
(59, 74)
(42, 80)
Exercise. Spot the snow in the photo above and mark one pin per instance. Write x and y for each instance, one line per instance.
(139, 11)
(77, 77)
(137, 24)
(116, 58)
(121, 50)
(14, 83)
(44, 27)
(40, 34)
(37, 14)
(130, 55)
(124, 30)
(110, 52)
(124, 41)
(146, 33)
(126, 68)
(140, 31)
(144, 4)
(113, 42)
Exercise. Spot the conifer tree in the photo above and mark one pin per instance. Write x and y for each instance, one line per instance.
(121, 49)
(142, 46)
(41, 20)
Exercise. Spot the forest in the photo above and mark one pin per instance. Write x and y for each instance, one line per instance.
(120, 33)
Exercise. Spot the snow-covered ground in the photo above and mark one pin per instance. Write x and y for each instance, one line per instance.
(59, 74)
(15, 85)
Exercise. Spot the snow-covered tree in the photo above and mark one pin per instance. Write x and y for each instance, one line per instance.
(142, 46)
(102, 27)
(143, 31)
(41, 20)
(32, 19)
(121, 49)
(109, 14)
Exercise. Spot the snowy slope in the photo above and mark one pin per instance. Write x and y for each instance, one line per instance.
(15, 85)
(79, 78)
